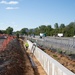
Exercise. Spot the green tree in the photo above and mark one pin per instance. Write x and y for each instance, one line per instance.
(37, 31)
(24, 31)
(1, 32)
(31, 31)
(48, 30)
(62, 27)
(70, 30)
(9, 30)
(56, 29)
(52, 32)
(42, 28)
(56, 26)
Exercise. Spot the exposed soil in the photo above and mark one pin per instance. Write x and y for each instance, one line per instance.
(35, 70)
(38, 69)
(64, 60)
(28, 70)
(14, 61)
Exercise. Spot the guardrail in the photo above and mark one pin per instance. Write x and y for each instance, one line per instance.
(51, 66)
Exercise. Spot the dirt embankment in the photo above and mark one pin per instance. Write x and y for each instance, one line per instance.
(64, 60)
(14, 61)
(28, 70)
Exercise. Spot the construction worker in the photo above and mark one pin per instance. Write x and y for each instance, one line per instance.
(26, 45)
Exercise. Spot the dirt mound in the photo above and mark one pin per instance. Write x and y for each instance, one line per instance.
(12, 59)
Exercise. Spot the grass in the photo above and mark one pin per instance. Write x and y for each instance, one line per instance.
(55, 56)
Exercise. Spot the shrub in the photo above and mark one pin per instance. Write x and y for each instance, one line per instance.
(59, 51)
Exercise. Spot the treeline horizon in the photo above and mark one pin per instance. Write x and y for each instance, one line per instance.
(67, 30)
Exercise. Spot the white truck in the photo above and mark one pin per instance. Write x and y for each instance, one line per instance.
(42, 35)
(60, 34)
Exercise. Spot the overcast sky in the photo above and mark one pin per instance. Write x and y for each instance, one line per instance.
(33, 13)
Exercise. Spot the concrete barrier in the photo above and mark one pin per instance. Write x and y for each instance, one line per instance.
(51, 66)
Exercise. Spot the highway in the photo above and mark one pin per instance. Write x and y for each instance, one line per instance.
(63, 43)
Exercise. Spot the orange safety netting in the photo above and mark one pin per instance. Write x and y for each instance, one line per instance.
(6, 41)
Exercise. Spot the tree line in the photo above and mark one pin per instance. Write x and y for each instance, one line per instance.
(67, 30)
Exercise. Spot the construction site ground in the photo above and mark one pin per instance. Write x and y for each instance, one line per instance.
(38, 70)
(69, 63)
(14, 60)
(29, 69)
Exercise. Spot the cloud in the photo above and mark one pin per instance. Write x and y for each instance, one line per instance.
(13, 2)
(10, 2)
(3, 2)
(12, 8)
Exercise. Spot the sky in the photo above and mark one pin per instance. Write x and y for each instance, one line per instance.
(29, 14)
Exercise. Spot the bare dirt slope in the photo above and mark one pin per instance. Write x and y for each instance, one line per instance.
(14, 60)
(38, 70)
(28, 70)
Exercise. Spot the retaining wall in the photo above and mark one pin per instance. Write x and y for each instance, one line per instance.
(51, 66)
